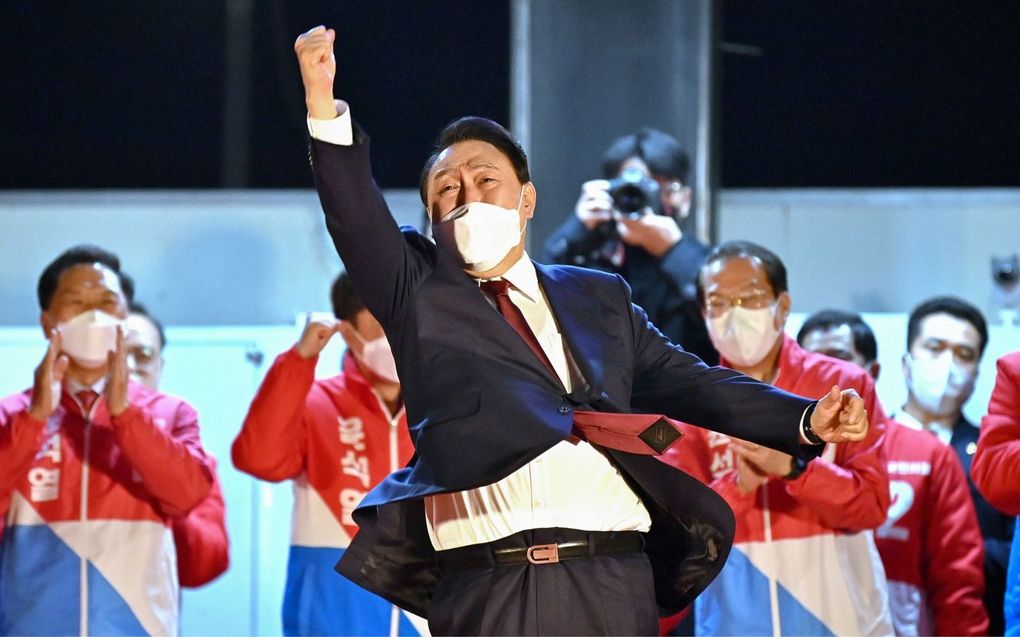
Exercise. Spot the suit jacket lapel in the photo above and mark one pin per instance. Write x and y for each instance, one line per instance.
(579, 326)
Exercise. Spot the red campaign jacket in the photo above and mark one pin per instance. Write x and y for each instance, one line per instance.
(996, 468)
(96, 496)
(931, 543)
(153, 445)
(333, 436)
(848, 491)
(800, 564)
(203, 549)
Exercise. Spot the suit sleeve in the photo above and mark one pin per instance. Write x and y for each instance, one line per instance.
(851, 492)
(952, 555)
(171, 462)
(678, 384)
(383, 267)
(272, 444)
(996, 467)
(201, 540)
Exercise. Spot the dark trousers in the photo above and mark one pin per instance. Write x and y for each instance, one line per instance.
(610, 594)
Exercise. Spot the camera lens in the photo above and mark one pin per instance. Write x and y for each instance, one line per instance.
(633, 192)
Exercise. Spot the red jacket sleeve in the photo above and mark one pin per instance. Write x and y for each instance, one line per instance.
(851, 492)
(996, 467)
(952, 554)
(272, 443)
(201, 539)
(171, 462)
(21, 437)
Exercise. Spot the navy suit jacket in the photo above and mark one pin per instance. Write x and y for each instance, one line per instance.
(480, 404)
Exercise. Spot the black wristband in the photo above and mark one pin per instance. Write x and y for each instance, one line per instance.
(796, 468)
(805, 428)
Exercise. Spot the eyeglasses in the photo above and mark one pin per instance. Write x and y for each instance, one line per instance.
(140, 356)
(670, 186)
(716, 304)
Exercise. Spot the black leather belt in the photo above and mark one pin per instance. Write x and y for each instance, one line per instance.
(489, 555)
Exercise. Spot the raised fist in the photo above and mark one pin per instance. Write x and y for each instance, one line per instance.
(314, 50)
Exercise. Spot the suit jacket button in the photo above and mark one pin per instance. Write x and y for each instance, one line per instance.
(564, 410)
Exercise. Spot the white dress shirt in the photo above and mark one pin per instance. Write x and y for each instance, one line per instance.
(944, 434)
(571, 485)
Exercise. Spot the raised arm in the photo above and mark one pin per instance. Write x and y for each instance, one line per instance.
(383, 266)
(273, 443)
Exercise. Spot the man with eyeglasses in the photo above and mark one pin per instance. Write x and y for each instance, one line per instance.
(803, 560)
(646, 247)
(203, 547)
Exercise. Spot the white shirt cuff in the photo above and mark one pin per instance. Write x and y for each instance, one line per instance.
(337, 131)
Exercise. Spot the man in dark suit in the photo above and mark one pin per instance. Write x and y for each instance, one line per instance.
(520, 513)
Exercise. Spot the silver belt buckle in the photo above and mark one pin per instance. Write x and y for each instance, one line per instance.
(543, 554)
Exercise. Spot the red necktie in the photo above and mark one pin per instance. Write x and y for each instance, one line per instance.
(645, 434)
(498, 290)
(87, 398)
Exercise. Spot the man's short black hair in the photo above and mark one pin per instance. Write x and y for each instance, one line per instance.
(952, 306)
(663, 154)
(481, 129)
(138, 308)
(864, 338)
(78, 255)
(345, 301)
(775, 271)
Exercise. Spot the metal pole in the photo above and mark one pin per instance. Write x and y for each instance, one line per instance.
(237, 95)
(706, 179)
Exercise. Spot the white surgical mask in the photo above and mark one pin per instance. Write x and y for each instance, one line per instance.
(480, 234)
(88, 337)
(743, 336)
(939, 385)
(377, 356)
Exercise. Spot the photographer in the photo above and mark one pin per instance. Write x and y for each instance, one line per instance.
(628, 223)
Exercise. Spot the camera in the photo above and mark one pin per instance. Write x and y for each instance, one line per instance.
(1006, 270)
(633, 192)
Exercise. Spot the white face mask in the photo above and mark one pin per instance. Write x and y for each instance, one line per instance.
(939, 385)
(480, 234)
(377, 356)
(743, 336)
(88, 337)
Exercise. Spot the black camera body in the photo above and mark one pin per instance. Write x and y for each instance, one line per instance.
(633, 193)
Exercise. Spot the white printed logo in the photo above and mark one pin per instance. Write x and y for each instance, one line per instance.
(45, 484)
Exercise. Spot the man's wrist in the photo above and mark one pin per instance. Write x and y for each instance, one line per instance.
(806, 432)
(321, 107)
(797, 467)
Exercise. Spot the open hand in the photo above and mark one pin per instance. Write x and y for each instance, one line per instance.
(840, 416)
(49, 376)
(749, 476)
(117, 377)
(767, 461)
